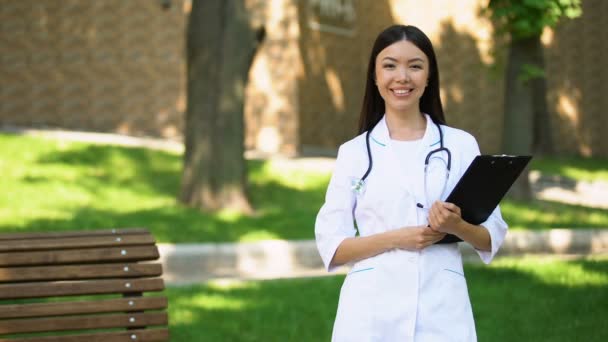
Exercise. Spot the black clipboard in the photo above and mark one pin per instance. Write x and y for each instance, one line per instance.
(482, 187)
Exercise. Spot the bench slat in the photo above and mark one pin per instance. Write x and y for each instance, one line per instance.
(75, 242)
(39, 268)
(89, 255)
(73, 233)
(118, 270)
(75, 288)
(139, 335)
(83, 307)
(130, 320)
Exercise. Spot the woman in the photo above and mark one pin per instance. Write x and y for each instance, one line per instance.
(403, 286)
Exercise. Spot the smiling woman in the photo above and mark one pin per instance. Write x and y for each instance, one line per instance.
(373, 216)
(401, 73)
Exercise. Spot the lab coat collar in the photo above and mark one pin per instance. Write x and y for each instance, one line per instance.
(381, 136)
(412, 178)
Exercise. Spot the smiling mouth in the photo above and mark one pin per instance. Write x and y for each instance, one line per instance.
(401, 92)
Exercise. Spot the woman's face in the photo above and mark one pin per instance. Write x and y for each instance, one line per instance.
(402, 72)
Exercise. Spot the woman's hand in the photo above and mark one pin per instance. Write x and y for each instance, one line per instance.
(444, 217)
(415, 238)
(358, 248)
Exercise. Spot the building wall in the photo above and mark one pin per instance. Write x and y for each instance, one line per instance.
(108, 65)
(577, 76)
(118, 66)
(336, 65)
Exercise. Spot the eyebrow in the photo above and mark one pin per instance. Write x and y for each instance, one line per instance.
(415, 59)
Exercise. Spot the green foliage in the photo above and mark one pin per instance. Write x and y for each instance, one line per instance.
(529, 72)
(527, 18)
(529, 299)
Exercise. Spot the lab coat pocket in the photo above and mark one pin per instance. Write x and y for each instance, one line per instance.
(356, 309)
(454, 288)
(454, 280)
(451, 267)
(360, 281)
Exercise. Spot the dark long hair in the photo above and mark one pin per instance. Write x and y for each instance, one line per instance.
(373, 108)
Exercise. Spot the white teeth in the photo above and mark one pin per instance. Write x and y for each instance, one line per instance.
(401, 91)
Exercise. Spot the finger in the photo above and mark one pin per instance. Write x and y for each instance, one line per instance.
(438, 205)
(433, 220)
(443, 214)
(439, 237)
(453, 208)
(432, 208)
(450, 206)
(458, 212)
(437, 222)
(430, 231)
(433, 238)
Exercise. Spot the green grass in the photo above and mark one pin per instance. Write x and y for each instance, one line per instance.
(526, 299)
(58, 185)
(514, 299)
(52, 185)
(587, 169)
(548, 214)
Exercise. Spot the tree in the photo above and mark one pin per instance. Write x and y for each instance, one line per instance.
(526, 119)
(221, 44)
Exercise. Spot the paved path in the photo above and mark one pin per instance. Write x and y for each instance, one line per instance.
(194, 263)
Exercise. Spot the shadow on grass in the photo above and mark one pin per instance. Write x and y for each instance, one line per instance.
(180, 224)
(509, 304)
(114, 186)
(566, 166)
(108, 172)
(107, 165)
(279, 310)
(542, 214)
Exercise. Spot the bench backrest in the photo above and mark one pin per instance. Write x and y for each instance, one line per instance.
(81, 286)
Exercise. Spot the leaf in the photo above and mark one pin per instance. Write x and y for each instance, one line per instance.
(529, 72)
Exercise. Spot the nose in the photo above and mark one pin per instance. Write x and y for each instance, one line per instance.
(403, 75)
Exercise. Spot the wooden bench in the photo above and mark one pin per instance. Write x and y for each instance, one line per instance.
(81, 286)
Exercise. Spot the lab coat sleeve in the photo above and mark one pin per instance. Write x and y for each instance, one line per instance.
(495, 225)
(335, 218)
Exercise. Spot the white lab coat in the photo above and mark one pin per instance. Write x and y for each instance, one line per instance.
(399, 295)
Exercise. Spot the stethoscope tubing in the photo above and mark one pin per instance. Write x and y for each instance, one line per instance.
(426, 160)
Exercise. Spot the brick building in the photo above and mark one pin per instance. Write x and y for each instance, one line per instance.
(118, 66)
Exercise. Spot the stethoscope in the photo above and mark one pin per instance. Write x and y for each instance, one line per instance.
(358, 186)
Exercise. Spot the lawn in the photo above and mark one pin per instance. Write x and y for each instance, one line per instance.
(59, 185)
(528, 299)
(586, 169)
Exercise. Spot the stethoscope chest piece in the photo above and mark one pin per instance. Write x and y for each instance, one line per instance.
(357, 185)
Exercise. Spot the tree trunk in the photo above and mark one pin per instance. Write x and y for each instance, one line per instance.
(220, 48)
(519, 111)
(542, 143)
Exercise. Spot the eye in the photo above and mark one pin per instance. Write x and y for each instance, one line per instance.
(416, 66)
(388, 66)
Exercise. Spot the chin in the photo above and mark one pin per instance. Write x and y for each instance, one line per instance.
(403, 107)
